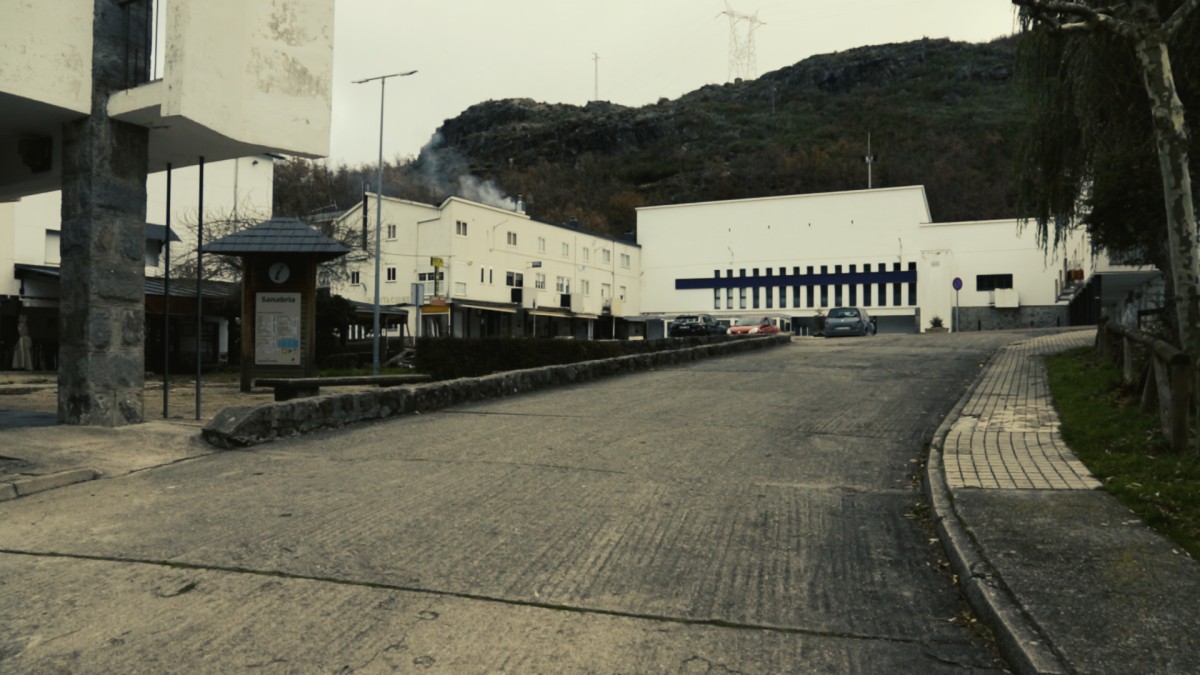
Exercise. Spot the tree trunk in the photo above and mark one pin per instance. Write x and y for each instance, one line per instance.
(1171, 134)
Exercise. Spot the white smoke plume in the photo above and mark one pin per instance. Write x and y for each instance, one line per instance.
(446, 171)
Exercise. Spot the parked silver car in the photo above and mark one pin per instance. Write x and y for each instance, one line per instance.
(848, 321)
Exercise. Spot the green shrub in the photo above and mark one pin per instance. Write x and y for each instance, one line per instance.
(449, 358)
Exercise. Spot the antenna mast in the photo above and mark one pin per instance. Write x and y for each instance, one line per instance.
(869, 159)
(596, 77)
(742, 63)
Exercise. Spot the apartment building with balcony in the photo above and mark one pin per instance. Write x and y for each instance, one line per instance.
(467, 269)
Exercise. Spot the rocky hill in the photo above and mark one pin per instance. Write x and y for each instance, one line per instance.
(940, 114)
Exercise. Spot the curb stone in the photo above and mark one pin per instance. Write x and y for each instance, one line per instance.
(1020, 641)
(245, 426)
(23, 487)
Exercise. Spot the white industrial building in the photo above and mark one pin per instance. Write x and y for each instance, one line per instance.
(486, 271)
(795, 257)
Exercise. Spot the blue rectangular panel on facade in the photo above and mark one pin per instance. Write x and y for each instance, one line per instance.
(894, 277)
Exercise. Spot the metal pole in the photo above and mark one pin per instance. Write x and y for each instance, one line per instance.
(956, 328)
(379, 215)
(166, 336)
(199, 281)
(378, 235)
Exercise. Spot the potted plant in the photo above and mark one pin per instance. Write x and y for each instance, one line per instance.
(819, 323)
(936, 326)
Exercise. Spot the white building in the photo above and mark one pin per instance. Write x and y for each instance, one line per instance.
(797, 256)
(30, 233)
(491, 272)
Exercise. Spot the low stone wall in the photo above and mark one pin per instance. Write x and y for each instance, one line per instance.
(1027, 316)
(244, 426)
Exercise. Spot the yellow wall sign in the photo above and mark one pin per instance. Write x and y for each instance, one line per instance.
(437, 263)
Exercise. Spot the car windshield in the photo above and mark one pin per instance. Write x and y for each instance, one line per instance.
(687, 319)
(843, 313)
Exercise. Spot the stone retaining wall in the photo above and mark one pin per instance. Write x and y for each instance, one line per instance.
(243, 426)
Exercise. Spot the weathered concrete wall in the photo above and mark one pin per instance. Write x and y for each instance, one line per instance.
(272, 61)
(990, 318)
(102, 305)
(245, 426)
(46, 55)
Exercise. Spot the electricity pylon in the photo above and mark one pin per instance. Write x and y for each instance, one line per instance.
(741, 44)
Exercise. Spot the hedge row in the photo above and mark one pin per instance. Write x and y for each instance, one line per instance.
(451, 358)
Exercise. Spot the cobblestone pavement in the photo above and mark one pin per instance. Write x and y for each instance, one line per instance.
(1008, 434)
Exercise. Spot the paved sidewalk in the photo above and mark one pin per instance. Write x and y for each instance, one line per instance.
(1069, 579)
(1007, 433)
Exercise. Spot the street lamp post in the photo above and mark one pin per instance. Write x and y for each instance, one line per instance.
(379, 212)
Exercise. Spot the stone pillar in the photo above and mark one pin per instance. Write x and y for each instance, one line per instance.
(101, 369)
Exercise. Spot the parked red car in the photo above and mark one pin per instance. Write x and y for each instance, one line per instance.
(763, 326)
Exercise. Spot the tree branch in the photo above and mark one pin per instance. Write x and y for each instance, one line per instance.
(1081, 17)
(1176, 20)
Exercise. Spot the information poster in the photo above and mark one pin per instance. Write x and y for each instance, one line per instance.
(277, 335)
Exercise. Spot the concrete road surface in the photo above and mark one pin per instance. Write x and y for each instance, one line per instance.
(755, 513)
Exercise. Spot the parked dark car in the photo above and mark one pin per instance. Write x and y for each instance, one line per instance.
(695, 324)
(848, 321)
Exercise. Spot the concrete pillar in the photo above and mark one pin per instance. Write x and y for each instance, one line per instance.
(101, 367)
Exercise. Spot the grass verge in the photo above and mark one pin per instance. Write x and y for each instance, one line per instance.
(1124, 448)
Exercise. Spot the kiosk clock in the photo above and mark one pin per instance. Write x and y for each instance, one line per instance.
(278, 272)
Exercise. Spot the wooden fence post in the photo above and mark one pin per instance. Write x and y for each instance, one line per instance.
(1180, 375)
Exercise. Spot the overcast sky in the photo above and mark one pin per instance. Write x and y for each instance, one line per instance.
(469, 51)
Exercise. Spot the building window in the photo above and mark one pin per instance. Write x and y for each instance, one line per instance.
(391, 231)
(990, 282)
(585, 287)
(51, 255)
(621, 296)
(562, 284)
(426, 276)
(512, 238)
(728, 298)
(566, 250)
(515, 279)
(605, 255)
(586, 253)
(624, 260)
(742, 298)
(391, 274)
(539, 281)
(491, 281)
(460, 288)
(541, 244)
(460, 228)
(605, 290)
(354, 278)
(716, 298)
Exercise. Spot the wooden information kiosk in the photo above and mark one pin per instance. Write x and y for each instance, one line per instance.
(279, 295)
